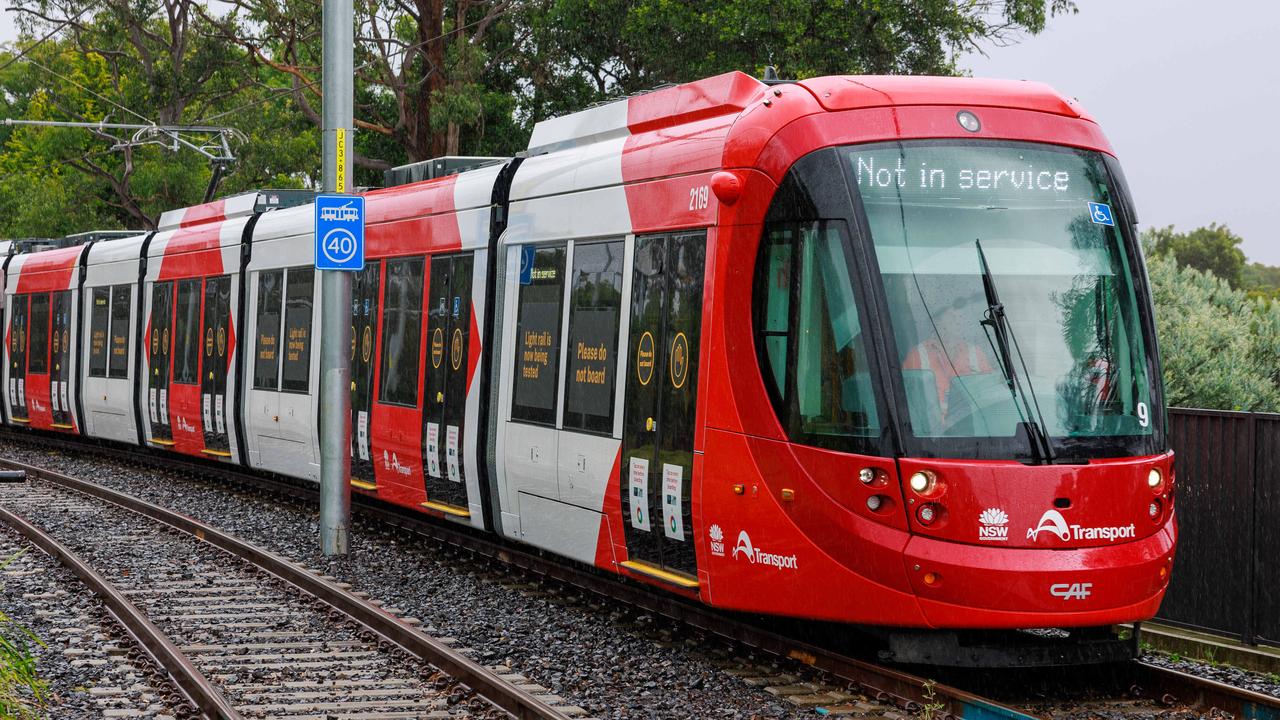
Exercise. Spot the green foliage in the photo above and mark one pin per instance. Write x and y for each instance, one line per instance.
(22, 691)
(1213, 249)
(932, 706)
(584, 50)
(432, 77)
(1218, 347)
(131, 63)
(1262, 281)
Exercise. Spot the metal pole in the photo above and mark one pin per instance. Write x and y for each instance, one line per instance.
(335, 300)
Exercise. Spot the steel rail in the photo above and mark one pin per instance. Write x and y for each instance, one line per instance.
(1168, 684)
(388, 627)
(199, 692)
(907, 691)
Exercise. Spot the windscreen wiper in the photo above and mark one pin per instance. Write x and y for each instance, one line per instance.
(1007, 344)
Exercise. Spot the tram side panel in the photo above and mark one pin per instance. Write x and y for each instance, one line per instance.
(108, 305)
(41, 365)
(555, 469)
(280, 395)
(417, 345)
(189, 306)
(607, 265)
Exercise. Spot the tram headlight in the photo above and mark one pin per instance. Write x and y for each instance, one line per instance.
(1154, 478)
(968, 121)
(867, 475)
(922, 481)
(1154, 509)
(875, 502)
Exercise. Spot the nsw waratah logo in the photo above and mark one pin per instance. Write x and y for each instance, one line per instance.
(1053, 522)
(994, 525)
(717, 540)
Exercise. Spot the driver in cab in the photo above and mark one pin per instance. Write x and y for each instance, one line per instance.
(957, 348)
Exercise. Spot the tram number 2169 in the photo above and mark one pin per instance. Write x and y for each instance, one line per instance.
(698, 197)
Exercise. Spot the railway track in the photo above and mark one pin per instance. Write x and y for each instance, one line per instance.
(250, 635)
(1152, 688)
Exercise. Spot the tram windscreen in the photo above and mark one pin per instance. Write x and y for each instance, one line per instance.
(1056, 261)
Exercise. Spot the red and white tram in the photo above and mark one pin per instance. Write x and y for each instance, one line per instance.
(872, 350)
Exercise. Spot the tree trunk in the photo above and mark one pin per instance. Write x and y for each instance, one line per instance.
(454, 136)
(423, 144)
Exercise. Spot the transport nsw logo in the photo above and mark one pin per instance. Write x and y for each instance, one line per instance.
(1053, 522)
(754, 555)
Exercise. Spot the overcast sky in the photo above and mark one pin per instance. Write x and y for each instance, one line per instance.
(1187, 91)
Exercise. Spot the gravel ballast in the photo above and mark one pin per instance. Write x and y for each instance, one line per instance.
(82, 654)
(614, 663)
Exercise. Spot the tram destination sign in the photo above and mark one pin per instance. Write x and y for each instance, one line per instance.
(339, 232)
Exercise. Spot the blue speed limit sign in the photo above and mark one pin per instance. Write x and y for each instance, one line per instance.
(339, 232)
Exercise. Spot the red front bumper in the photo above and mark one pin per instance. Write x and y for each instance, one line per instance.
(991, 587)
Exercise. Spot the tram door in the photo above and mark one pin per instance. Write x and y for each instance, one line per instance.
(215, 349)
(160, 347)
(662, 387)
(364, 336)
(445, 391)
(60, 369)
(18, 358)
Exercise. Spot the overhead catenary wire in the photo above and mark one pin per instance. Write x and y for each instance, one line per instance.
(104, 98)
(47, 35)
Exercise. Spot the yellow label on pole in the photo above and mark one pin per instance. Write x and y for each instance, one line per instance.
(340, 163)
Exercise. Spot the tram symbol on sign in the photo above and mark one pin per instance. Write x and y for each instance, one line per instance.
(339, 232)
(345, 213)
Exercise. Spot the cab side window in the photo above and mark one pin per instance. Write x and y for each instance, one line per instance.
(809, 336)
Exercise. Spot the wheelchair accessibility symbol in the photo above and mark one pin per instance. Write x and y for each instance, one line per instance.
(1100, 214)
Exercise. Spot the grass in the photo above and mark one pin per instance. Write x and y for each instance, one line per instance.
(23, 693)
(931, 707)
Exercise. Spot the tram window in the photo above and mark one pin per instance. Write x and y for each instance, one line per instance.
(38, 335)
(266, 364)
(809, 335)
(401, 331)
(775, 309)
(595, 300)
(537, 360)
(186, 333)
(118, 364)
(99, 317)
(297, 329)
